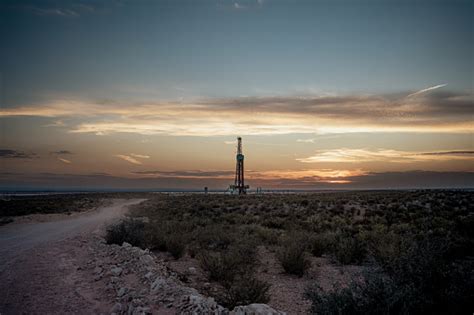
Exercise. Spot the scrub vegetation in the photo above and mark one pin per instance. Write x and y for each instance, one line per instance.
(413, 250)
(13, 206)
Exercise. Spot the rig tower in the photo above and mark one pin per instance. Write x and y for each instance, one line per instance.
(239, 183)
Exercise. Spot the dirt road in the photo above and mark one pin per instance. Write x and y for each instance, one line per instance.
(39, 263)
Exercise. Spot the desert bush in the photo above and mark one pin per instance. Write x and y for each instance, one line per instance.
(374, 294)
(167, 236)
(24, 205)
(382, 243)
(429, 281)
(243, 291)
(321, 244)
(225, 266)
(215, 265)
(215, 237)
(155, 237)
(267, 236)
(340, 301)
(273, 222)
(292, 255)
(193, 251)
(419, 281)
(130, 231)
(175, 244)
(465, 225)
(349, 249)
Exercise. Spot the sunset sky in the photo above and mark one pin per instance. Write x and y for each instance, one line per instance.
(152, 94)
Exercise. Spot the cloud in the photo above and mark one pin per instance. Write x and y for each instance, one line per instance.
(456, 153)
(57, 123)
(62, 152)
(14, 154)
(140, 156)
(413, 179)
(436, 112)
(384, 180)
(390, 180)
(100, 174)
(305, 140)
(345, 155)
(59, 12)
(64, 160)
(129, 159)
(132, 158)
(427, 90)
(240, 5)
(65, 9)
(305, 175)
(55, 12)
(84, 7)
(320, 137)
(187, 174)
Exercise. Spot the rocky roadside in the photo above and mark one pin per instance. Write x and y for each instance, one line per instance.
(139, 283)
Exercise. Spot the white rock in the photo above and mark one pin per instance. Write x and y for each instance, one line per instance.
(126, 245)
(142, 310)
(122, 291)
(149, 275)
(116, 271)
(136, 302)
(117, 308)
(256, 309)
(157, 285)
(146, 259)
(97, 270)
(136, 250)
(192, 270)
(114, 279)
(144, 252)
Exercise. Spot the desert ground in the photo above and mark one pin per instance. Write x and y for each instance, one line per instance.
(371, 252)
(41, 262)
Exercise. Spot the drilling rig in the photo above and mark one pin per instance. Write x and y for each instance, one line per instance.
(239, 186)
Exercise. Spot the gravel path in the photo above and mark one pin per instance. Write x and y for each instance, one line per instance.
(39, 263)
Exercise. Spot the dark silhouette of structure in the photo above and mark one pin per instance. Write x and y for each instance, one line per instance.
(239, 183)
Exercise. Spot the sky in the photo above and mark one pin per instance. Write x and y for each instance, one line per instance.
(152, 94)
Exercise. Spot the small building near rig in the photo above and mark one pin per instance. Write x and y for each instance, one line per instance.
(239, 186)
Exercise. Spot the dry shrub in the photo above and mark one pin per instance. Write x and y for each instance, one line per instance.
(349, 249)
(216, 237)
(225, 266)
(244, 291)
(292, 255)
(420, 280)
(321, 244)
(130, 231)
(166, 237)
(176, 245)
